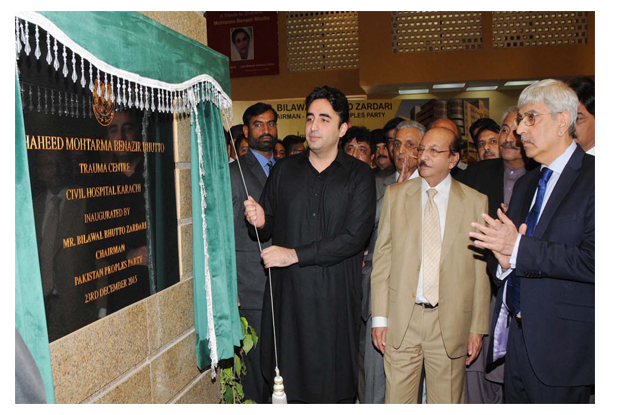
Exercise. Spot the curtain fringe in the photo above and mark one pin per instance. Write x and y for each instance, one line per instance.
(126, 88)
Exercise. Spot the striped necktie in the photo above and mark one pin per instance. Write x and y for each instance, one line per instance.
(431, 249)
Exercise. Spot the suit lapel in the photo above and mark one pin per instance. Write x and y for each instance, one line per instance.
(255, 168)
(412, 207)
(566, 180)
(532, 184)
(455, 211)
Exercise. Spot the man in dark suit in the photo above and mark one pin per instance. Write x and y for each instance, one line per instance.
(546, 253)
(495, 178)
(261, 130)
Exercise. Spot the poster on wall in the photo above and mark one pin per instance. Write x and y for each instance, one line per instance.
(376, 113)
(249, 39)
(102, 182)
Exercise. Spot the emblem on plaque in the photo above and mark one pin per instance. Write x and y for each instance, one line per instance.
(103, 105)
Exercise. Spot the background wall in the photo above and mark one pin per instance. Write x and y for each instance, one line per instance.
(145, 353)
(381, 71)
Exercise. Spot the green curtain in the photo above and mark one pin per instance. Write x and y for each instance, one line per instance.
(30, 314)
(220, 239)
(137, 44)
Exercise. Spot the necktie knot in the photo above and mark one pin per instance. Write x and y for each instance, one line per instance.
(545, 175)
(431, 193)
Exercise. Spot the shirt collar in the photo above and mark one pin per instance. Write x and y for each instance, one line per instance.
(558, 164)
(341, 158)
(443, 187)
(262, 159)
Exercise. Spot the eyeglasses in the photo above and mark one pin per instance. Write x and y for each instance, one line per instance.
(432, 152)
(529, 119)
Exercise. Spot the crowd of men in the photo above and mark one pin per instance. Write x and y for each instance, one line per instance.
(397, 269)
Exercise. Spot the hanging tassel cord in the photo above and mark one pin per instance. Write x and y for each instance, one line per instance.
(278, 397)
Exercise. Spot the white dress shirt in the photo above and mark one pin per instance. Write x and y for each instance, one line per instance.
(591, 151)
(441, 199)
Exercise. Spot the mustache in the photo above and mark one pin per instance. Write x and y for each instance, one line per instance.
(266, 135)
(510, 145)
(526, 140)
(423, 164)
(382, 156)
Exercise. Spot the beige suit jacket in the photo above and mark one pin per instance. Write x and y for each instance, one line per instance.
(464, 288)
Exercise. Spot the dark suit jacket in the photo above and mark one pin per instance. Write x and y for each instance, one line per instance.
(382, 181)
(250, 270)
(557, 274)
(487, 178)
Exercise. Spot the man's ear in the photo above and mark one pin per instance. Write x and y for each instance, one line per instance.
(246, 130)
(343, 129)
(564, 121)
(454, 160)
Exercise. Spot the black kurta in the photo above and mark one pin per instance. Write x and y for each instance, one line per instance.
(327, 217)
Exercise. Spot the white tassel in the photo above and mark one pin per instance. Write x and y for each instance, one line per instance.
(119, 96)
(37, 50)
(74, 75)
(91, 77)
(65, 70)
(83, 82)
(49, 56)
(278, 396)
(56, 56)
(18, 44)
(113, 90)
(97, 78)
(26, 41)
(106, 88)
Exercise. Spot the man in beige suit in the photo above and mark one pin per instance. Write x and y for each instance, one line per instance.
(430, 293)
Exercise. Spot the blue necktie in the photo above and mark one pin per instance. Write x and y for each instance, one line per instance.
(269, 166)
(513, 286)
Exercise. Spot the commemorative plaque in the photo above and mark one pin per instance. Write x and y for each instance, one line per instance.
(102, 181)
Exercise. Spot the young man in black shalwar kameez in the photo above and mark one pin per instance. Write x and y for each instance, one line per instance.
(323, 202)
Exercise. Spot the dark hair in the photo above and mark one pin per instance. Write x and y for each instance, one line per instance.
(361, 134)
(336, 98)
(584, 87)
(235, 32)
(237, 143)
(257, 109)
(378, 136)
(290, 140)
(456, 145)
(391, 125)
(481, 125)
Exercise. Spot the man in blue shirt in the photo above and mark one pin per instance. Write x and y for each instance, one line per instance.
(261, 130)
